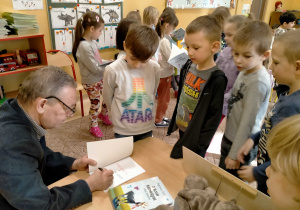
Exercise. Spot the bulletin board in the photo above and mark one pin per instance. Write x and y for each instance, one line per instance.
(63, 16)
(190, 4)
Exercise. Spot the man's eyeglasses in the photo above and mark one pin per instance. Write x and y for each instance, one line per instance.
(69, 108)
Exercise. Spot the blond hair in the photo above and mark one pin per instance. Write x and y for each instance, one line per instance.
(255, 33)
(283, 147)
(150, 15)
(221, 14)
(290, 41)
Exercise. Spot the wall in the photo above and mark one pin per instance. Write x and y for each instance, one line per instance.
(296, 5)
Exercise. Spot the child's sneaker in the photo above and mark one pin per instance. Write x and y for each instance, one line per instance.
(105, 119)
(96, 131)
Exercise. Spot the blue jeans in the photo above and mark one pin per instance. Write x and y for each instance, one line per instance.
(135, 137)
(225, 149)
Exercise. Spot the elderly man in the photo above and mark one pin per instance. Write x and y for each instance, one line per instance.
(45, 100)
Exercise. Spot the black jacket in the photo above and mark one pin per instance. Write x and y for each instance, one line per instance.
(206, 117)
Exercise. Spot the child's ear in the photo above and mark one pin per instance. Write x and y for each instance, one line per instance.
(92, 28)
(124, 46)
(215, 46)
(297, 67)
(266, 55)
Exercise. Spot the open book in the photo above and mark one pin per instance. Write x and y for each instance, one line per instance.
(178, 57)
(114, 154)
(145, 194)
(178, 34)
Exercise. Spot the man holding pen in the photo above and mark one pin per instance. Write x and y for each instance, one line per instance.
(45, 100)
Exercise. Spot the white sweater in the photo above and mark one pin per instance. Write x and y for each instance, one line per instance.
(165, 51)
(129, 95)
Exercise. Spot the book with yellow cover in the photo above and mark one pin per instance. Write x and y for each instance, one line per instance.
(145, 194)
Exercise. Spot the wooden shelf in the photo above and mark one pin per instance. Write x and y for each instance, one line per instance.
(16, 37)
(11, 94)
(20, 70)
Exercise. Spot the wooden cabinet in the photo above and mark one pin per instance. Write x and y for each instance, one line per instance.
(11, 43)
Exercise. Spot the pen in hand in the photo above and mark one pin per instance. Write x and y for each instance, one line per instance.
(100, 169)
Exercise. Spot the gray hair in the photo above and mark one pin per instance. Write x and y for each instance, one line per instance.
(47, 81)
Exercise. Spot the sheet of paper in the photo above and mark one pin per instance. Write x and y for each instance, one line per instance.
(91, 1)
(111, 13)
(63, 17)
(110, 36)
(106, 152)
(101, 41)
(178, 34)
(124, 170)
(84, 8)
(178, 57)
(64, 40)
(112, 1)
(27, 4)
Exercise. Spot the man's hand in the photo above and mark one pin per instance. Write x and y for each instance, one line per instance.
(231, 164)
(100, 180)
(83, 163)
(246, 173)
(245, 149)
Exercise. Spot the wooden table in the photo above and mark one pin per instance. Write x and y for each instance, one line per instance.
(153, 155)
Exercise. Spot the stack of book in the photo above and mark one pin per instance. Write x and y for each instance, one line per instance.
(21, 24)
(3, 30)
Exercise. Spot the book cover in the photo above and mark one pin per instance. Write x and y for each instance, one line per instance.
(178, 57)
(145, 194)
(178, 34)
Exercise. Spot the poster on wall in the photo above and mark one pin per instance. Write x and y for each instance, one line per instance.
(64, 40)
(83, 8)
(90, 1)
(188, 4)
(246, 8)
(110, 36)
(63, 17)
(27, 4)
(101, 41)
(111, 13)
(111, 1)
(64, 1)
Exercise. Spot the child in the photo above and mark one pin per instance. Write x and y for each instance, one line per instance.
(130, 84)
(284, 173)
(250, 94)
(221, 14)
(285, 69)
(225, 59)
(167, 22)
(135, 15)
(201, 89)
(86, 53)
(122, 31)
(150, 16)
(287, 21)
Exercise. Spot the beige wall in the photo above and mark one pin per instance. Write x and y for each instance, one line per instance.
(185, 17)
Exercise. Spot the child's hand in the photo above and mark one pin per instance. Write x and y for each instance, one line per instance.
(246, 173)
(245, 149)
(231, 164)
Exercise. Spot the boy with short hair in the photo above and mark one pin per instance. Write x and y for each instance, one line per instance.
(284, 173)
(286, 69)
(249, 99)
(201, 89)
(287, 21)
(130, 85)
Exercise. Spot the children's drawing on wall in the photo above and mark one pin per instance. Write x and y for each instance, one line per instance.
(200, 4)
(112, 1)
(110, 36)
(63, 17)
(64, 1)
(90, 1)
(101, 41)
(27, 4)
(246, 9)
(83, 8)
(111, 13)
(64, 40)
